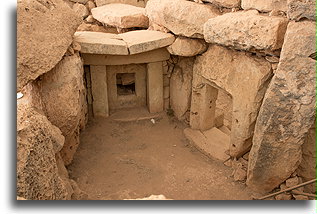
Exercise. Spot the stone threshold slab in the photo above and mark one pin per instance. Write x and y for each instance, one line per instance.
(213, 142)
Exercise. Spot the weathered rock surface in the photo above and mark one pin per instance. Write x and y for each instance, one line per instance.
(121, 15)
(225, 3)
(181, 86)
(42, 44)
(37, 142)
(180, 16)
(242, 76)
(264, 6)
(299, 9)
(183, 46)
(96, 28)
(287, 112)
(137, 3)
(63, 96)
(307, 167)
(80, 1)
(101, 43)
(246, 30)
(146, 40)
(81, 10)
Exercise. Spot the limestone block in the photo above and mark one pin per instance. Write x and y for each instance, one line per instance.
(181, 86)
(287, 112)
(42, 44)
(155, 102)
(212, 142)
(225, 3)
(121, 15)
(264, 6)
(307, 167)
(246, 30)
(242, 76)
(37, 172)
(138, 99)
(101, 43)
(81, 10)
(90, 5)
(298, 9)
(146, 40)
(64, 99)
(137, 3)
(182, 17)
(183, 46)
(156, 55)
(99, 90)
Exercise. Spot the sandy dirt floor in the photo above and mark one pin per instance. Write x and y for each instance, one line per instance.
(124, 160)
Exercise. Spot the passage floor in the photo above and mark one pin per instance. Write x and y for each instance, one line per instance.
(122, 159)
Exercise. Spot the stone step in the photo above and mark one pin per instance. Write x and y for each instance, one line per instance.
(212, 142)
(121, 15)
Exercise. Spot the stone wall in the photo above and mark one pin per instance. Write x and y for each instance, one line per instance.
(51, 109)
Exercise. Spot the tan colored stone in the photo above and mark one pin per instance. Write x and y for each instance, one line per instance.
(283, 196)
(287, 112)
(300, 197)
(180, 16)
(99, 90)
(121, 15)
(138, 99)
(183, 46)
(81, 10)
(225, 3)
(212, 142)
(64, 99)
(37, 173)
(166, 92)
(264, 6)
(307, 167)
(155, 102)
(79, 1)
(181, 86)
(96, 28)
(90, 5)
(146, 40)
(298, 9)
(101, 43)
(137, 3)
(292, 182)
(240, 174)
(90, 19)
(44, 33)
(156, 55)
(228, 70)
(246, 30)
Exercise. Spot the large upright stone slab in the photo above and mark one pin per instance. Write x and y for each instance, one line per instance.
(298, 9)
(44, 33)
(154, 87)
(243, 77)
(64, 99)
(264, 6)
(287, 112)
(99, 90)
(146, 40)
(101, 43)
(246, 30)
(121, 15)
(182, 17)
(181, 86)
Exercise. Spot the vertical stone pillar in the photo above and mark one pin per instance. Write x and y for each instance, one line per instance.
(203, 104)
(99, 90)
(155, 100)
